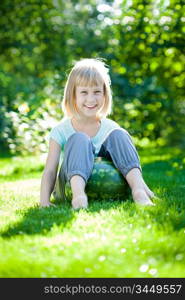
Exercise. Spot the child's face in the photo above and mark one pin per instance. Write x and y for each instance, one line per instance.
(89, 100)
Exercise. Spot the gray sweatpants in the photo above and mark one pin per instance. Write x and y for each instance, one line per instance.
(79, 153)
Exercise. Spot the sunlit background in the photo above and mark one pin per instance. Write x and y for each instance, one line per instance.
(141, 41)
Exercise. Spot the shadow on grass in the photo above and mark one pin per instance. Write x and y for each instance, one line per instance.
(171, 209)
(37, 220)
(169, 178)
(41, 221)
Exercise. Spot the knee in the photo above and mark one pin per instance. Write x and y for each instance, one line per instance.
(80, 137)
(119, 134)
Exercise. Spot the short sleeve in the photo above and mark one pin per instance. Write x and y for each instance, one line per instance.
(57, 135)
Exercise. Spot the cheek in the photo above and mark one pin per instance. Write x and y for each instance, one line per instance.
(79, 100)
(100, 97)
(102, 100)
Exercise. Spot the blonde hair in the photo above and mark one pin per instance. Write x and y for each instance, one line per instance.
(87, 72)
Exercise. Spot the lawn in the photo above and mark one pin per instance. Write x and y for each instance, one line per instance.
(109, 239)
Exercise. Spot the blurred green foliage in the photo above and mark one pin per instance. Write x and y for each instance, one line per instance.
(142, 42)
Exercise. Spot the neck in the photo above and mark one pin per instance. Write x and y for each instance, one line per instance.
(86, 121)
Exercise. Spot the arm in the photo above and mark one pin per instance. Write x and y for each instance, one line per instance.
(49, 174)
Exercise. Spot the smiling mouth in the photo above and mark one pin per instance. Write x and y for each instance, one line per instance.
(90, 107)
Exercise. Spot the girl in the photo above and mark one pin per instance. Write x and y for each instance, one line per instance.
(84, 133)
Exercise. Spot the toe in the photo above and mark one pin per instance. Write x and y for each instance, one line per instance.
(79, 202)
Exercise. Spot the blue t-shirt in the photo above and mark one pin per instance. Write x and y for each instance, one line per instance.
(61, 132)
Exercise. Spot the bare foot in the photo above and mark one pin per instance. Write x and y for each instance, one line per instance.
(148, 191)
(140, 196)
(80, 201)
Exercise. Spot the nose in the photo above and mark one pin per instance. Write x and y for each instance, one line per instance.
(91, 99)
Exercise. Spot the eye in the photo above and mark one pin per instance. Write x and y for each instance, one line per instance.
(96, 92)
(83, 92)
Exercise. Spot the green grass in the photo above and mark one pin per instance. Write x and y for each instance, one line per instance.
(109, 239)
